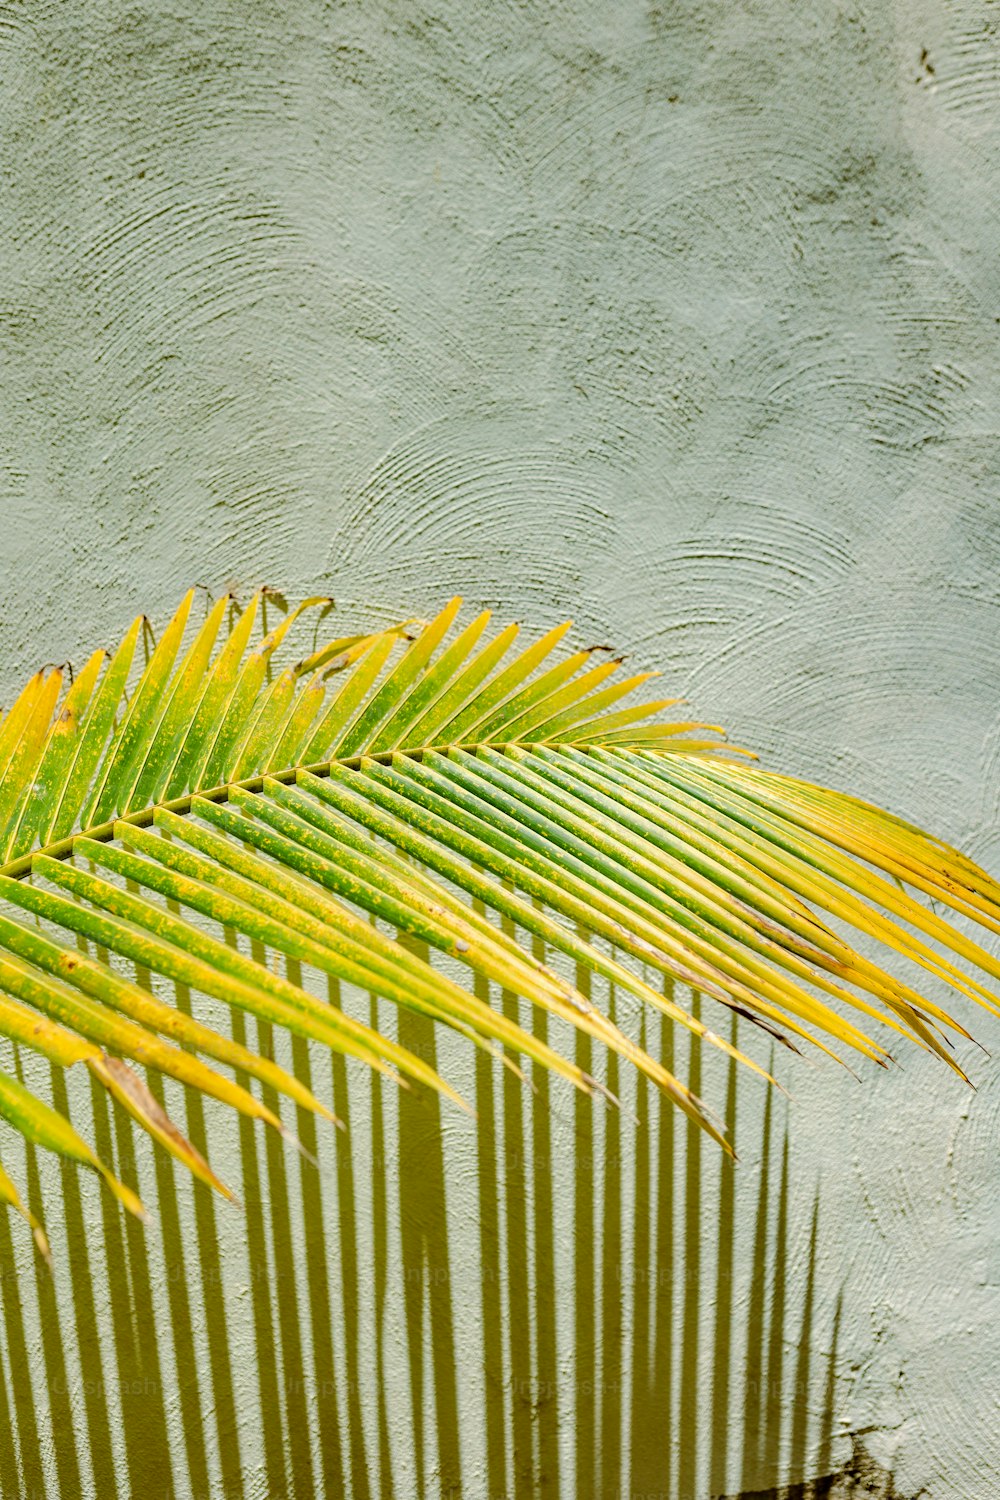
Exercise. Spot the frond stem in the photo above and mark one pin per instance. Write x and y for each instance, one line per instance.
(105, 832)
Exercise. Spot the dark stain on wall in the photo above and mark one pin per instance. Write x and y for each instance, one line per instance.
(861, 1475)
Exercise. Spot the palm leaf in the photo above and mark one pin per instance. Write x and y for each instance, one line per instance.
(365, 804)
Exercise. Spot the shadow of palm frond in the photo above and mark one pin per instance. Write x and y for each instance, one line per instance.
(553, 1297)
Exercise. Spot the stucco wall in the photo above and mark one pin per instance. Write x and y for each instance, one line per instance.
(681, 319)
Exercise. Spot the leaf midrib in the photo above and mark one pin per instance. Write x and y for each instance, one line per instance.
(16, 869)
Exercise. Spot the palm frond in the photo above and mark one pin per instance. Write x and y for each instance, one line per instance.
(365, 803)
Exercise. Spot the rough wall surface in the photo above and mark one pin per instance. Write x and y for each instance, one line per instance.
(679, 318)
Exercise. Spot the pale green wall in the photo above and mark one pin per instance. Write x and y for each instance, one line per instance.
(680, 318)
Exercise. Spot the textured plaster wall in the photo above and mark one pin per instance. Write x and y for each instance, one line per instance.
(680, 318)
